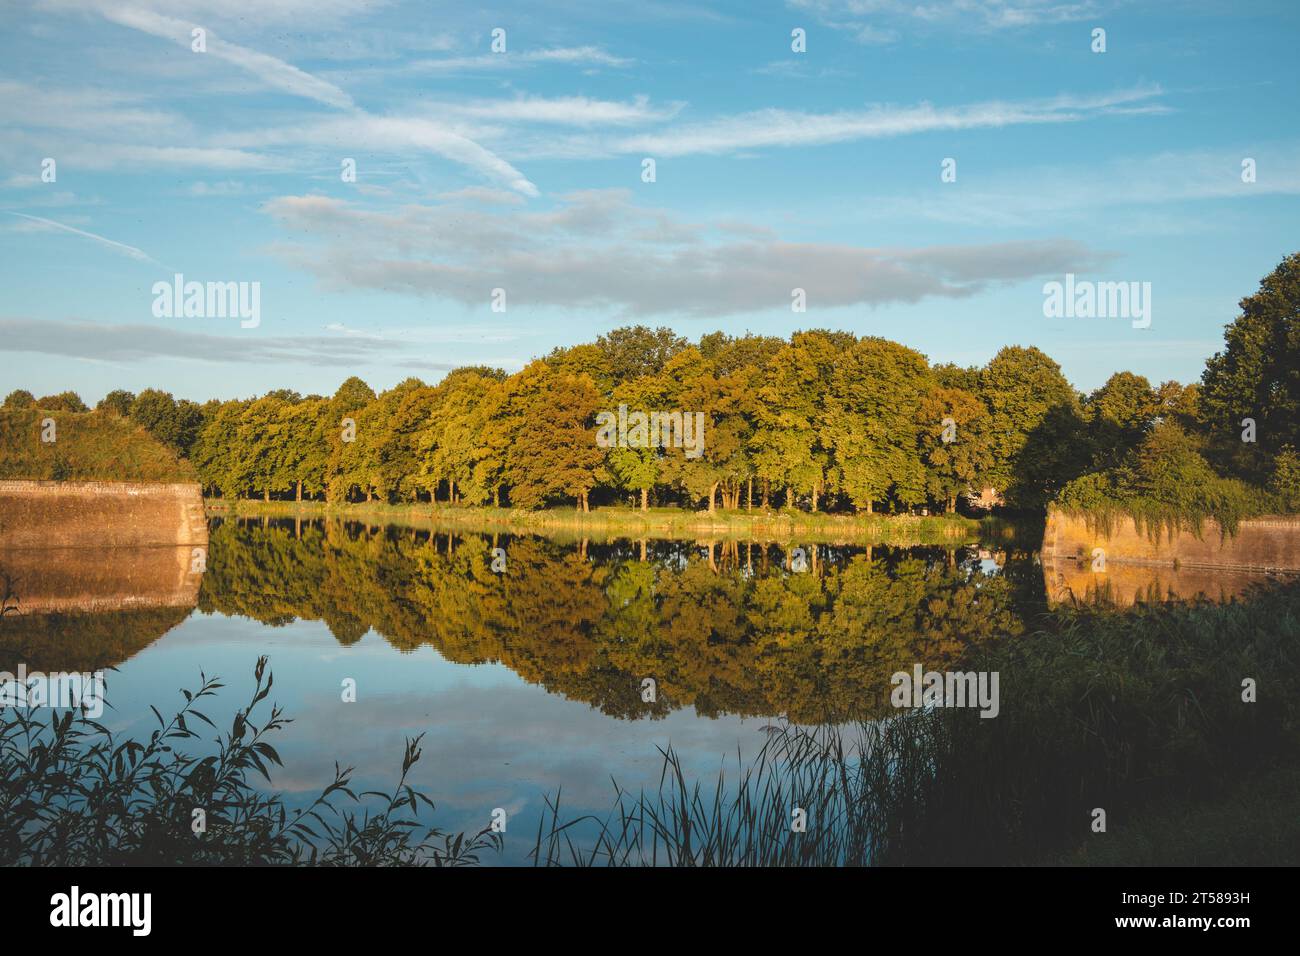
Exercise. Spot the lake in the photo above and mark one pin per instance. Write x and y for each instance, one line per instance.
(532, 666)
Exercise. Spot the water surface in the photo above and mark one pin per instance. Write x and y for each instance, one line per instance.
(526, 680)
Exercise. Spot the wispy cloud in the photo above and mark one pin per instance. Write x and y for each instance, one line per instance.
(879, 21)
(574, 55)
(131, 251)
(562, 110)
(399, 134)
(779, 128)
(1073, 193)
(128, 343)
(272, 71)
(354, 125)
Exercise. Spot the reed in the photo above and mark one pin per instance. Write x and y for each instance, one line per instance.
(71, 794)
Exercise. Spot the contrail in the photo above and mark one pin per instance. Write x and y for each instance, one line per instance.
(131, 251)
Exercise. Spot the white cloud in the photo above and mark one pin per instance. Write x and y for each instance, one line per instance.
(96, 341)
(360, 131)
(597, 250)
(771, 128)
(1123, 190)
(574, 56)
(355, 126)
(228, 187)
(863, 19)
(563, 110)
(272, 71)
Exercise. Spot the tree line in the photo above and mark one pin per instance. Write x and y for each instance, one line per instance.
(825, 420)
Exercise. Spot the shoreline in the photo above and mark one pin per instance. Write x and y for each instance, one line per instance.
(655, 523)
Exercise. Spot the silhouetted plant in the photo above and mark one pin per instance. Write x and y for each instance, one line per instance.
(72, 794)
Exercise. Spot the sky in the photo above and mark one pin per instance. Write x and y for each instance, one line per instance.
(224, 156)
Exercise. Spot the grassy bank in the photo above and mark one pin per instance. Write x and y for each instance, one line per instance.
(606, 523)
(83, 446)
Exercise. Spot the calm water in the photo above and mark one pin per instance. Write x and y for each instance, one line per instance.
(526, 680)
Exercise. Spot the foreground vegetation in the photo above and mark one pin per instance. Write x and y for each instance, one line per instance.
(823, 421)
(72, 794)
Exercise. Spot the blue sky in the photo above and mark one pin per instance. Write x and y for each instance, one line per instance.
(522, 170)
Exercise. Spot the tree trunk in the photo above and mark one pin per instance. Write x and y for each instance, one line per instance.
(814, 499)
(713, 491)
(299, 498)
(952, 503)
(871, 506)
(749, 495)
(266, 494)
(645, 499)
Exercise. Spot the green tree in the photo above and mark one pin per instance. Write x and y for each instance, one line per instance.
(955, 443)
(117, 402)
(1257, 375)
(555, 452)
(1035, 426)
(62, 402)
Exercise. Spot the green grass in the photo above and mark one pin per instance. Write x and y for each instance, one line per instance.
(619, 522)
(88, 446)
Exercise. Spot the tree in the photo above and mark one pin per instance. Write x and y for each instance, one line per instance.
(117, 402)
(637, 469)
(1035, 425)
(216, 452)
(20, 398)
(62, 402)
(351, 397)
(1119, 414)
(1257, 375)
(955, 443)
(786, 445)
(636, 351)
(555, 453)
(869, 420)
(174, 423)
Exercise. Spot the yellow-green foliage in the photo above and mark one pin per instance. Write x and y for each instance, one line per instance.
(88, 446)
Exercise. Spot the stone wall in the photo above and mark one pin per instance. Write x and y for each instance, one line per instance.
(1071, 582)
(1269, 543)
(100, 514)
(66, 580)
